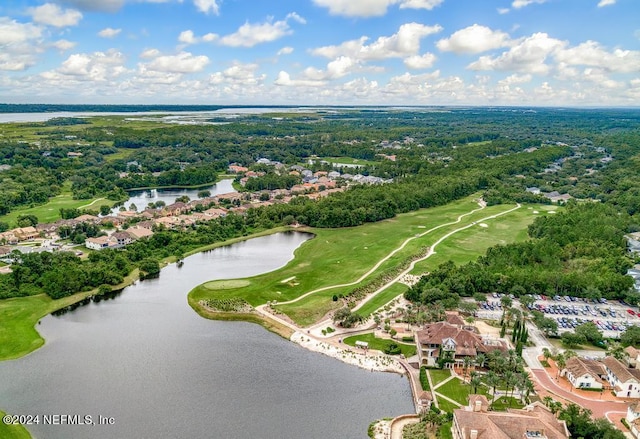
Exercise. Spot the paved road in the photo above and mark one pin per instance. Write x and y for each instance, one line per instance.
(600, 409)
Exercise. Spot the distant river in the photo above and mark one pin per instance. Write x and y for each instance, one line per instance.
(149, 361)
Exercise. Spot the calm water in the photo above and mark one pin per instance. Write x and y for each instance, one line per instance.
(142, 198)
(146, 359)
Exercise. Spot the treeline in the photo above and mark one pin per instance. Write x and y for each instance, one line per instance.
(579, 252)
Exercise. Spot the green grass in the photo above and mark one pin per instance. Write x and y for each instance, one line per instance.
(122, 153)
(444, 432)
(438, 375)
(504, 403)
(467, 245)
(50, 211)
(458, 391)
(348, 161)
(446, 406)
(346, 254)
(382, 298)
(381, 344)
(13, 431)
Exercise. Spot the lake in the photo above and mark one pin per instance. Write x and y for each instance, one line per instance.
(142, 198)
(149, 361)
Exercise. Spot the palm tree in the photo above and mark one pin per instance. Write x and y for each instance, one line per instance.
(466, 365)
(480, 359)
(546, 353)
(561, 362)
(475, 381)
(493, 380)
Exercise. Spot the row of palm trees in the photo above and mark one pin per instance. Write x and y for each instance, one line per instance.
(505, 370)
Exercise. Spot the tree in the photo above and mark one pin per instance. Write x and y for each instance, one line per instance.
(204, 194)
(631, 337)
(493, 380)
(590, 332)
(616, 350)
(527, 300)
(475, 381)
(27, 220)
(4, 226)
(105, 210)
(133, 207)
(572, 340)
(149, 266)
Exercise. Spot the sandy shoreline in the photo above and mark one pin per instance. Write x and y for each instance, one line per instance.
(370, 361)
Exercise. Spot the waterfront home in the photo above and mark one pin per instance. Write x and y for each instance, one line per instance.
(625, 382)
(138, 232)
(533, 421)
(584, 373)
(452, 343)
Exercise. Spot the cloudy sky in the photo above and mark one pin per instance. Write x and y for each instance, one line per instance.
(391, 52)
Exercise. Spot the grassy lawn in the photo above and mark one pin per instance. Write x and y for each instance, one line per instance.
(467, 245)
(345, 253)
(438, 375)
(458, 391)
(382, 298)
(50, 211)
(444, 432)
(446, 406)
(13, 431)
(381, 344)
(504, 403)
(19, 316)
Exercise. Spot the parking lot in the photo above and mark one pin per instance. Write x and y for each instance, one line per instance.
(611, 317)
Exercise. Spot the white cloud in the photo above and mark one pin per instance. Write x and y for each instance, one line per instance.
(285, 51)
(207, 6)
(109, 32)
(249, 35)
(372, 8)
(517, 4)
(529, 55)
(474, 39)
(53, 15)
(404, 43)
(149, 53)
(419, 62)
(187, 37)
(284, 80)
(93, 67)
(12, 32)
(503, 11)
(604, 3)
(590, 53)
(336, 69)
(516, 79)
(183, 62)
(238, 75)
(63, 45)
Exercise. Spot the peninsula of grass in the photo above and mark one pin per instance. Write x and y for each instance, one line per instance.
(381, 299)
(348, 254)
(380, 344)
(13, 431)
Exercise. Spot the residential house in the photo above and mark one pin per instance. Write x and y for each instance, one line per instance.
(533, 421)
(237, 169)
(26, 233)
(175, 209)
(121, 239)
(625, 382)
(632, 356)
(138, 232)
(453, 343)
(8, 238)
(99, 243)
(88, 219)
(584, 373)
(4, 251)
(633, 419)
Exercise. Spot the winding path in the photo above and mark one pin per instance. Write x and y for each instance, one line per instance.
(263, 310)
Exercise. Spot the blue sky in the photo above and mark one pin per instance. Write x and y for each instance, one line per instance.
(313, 52)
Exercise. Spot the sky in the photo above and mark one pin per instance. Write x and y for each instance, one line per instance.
(580, 53)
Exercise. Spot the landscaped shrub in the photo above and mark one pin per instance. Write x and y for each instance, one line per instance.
(392, 349)
(424, 380)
